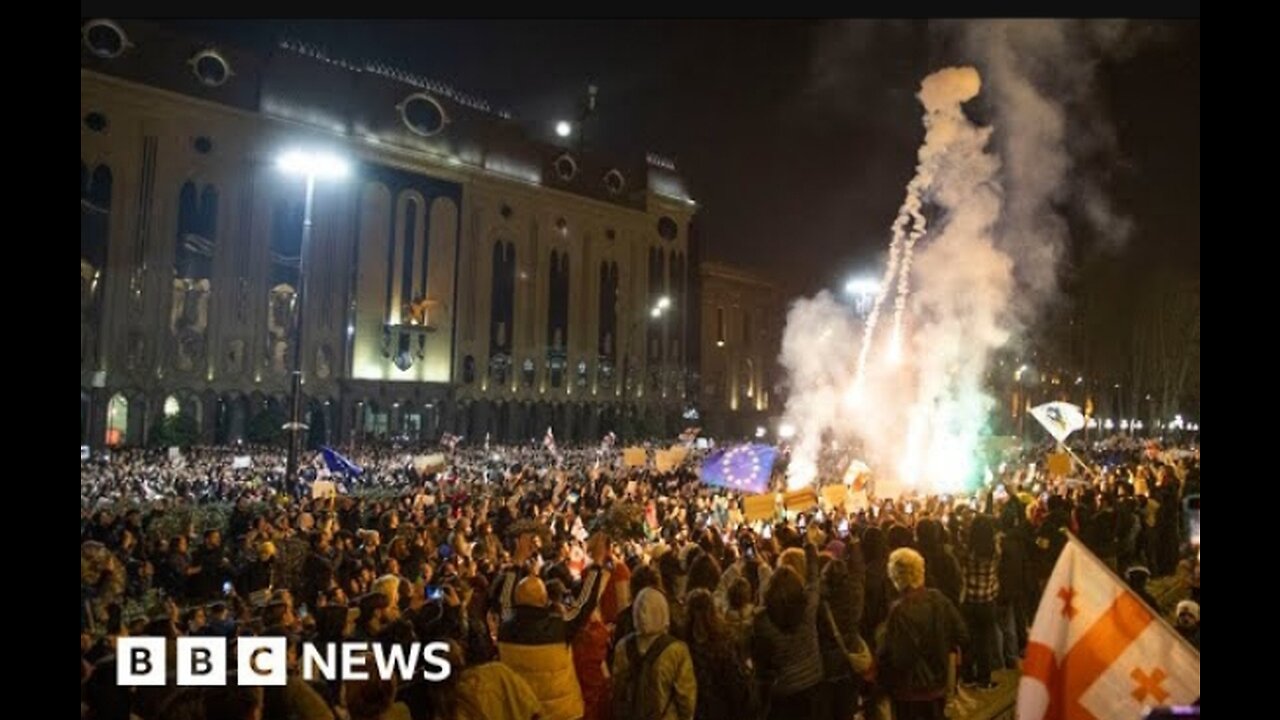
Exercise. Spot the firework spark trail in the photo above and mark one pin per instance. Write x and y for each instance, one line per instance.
(873, 318)
(989, 263)
(910, 209)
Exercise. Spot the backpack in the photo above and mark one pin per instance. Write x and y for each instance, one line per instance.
(637, 698)
(745, 691)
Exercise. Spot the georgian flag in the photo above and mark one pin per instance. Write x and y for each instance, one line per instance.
(1097, 651)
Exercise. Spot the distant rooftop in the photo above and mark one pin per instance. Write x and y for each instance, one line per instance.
(389, 71)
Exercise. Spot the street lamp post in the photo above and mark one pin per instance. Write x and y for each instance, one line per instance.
(660, 308)
(310, 165)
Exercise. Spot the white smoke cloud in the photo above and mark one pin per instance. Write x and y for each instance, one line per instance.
(815, 355)
(986, 263)
(1041, 77)
(918, 415)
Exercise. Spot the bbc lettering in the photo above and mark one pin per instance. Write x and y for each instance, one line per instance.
(203, 661)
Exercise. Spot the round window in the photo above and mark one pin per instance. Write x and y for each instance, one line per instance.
(210, 68)
(667, 229)
(614, 181)
(566, 167)
(104, 38)
(95, 121)
(423, 114)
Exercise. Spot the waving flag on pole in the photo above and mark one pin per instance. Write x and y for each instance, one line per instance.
(1059, 418)
(745, 468)
(549, 442)
(1097, 651)
(337, 463)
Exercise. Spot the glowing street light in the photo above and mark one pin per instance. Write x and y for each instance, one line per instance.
(786, 431)
(861, 287)
(564, 128)
(659, 308)
(863, 290)
(311, 165)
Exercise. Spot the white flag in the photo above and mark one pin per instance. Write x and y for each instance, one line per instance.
(1059, 418)
(1097, 651)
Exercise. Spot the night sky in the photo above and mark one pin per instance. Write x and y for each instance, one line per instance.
(797, 137)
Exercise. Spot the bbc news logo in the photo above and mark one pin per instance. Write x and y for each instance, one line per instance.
(203, 661)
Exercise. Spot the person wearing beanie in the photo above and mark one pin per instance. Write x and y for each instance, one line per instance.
(652, 671)
(375, 616)
(1137, 577)
(914, 651)
(535, 641)
(220, 622)
(1188, 621)
(260, 573)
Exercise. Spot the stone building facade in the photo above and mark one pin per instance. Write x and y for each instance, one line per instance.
(465, 277)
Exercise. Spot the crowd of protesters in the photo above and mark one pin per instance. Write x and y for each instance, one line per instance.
(569, 586)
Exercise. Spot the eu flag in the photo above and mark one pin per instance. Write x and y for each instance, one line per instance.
(337, 463)
(745, 468)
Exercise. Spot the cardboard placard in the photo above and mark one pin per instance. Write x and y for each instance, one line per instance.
(427, 464)
(635, 457)
(1059, 464)
(758, 507)
(834, 495)
(670, 459)
(800, 500)
(324, 489)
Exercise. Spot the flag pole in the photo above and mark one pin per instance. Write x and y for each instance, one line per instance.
(1063, 446)
(1155, 612)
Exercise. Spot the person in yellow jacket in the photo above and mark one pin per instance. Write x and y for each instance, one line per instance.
(536, 641)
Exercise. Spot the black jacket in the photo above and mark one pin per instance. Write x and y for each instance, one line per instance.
(838, 598)
(1016, 581)
(922, 629)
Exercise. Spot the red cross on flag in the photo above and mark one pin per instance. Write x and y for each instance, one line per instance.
(1097, 651)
